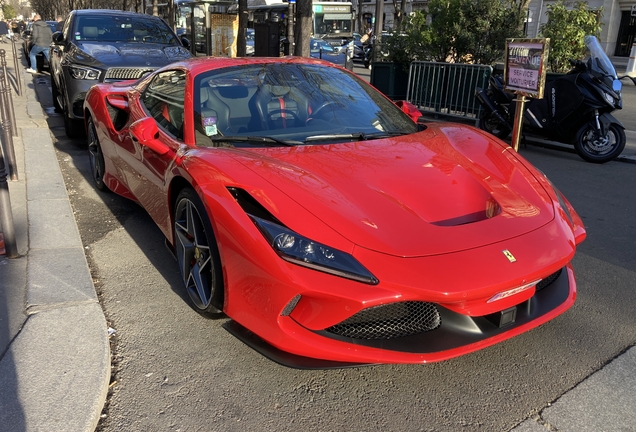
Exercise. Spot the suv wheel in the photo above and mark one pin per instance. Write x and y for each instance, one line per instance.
(74, 128)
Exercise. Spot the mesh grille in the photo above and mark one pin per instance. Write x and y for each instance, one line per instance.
(126, 73)
(389, 321)
(547, 281)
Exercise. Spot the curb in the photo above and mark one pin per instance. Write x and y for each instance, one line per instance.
(55, 374)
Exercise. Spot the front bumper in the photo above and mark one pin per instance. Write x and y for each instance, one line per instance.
(456, 335)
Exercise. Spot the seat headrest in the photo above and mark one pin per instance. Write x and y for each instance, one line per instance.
(233, 92)
(205, 94)
(278, 90)
(90, 32)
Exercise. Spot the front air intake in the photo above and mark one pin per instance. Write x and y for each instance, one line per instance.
(389, 321)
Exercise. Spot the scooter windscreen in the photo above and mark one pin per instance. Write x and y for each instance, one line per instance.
(601, 64)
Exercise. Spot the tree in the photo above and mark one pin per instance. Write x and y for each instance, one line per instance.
(491, 23)
(399, 6)
(458, 31)
(8, 11)
(302, 30)
(566, 30)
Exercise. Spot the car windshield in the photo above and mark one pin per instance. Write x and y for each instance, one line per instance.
(291, 104)
(139, 29)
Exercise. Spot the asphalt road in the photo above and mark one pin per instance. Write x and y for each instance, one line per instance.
(174, 370)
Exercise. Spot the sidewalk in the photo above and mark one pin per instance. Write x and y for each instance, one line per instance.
(54, 349)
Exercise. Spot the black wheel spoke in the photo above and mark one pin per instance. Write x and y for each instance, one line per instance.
(194, 255)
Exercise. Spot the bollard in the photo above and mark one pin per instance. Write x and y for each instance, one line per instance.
(631, 64)
(6, 88)
(16, 67)
(6, 215)
(6, 131)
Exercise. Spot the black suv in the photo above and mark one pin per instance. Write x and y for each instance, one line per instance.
(105, 46)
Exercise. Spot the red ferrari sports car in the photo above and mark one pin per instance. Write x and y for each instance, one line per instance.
(325, 221)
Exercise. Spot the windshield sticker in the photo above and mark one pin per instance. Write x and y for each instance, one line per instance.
(209, 123)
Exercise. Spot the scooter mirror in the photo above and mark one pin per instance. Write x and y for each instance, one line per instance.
(617, 85)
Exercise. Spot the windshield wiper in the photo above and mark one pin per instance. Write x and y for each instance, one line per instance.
(269, 141)
(361, 136)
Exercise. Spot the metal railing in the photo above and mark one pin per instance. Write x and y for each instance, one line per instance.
(8, 167)
(447, 88)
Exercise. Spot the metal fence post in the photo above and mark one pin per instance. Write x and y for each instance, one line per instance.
(6, 215)
(7, 91)
(16, 66)
(6, 131)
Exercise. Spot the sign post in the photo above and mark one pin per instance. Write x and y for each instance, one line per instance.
(524, 75)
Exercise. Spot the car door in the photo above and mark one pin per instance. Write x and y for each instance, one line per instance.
(145, 170)
(58, 47)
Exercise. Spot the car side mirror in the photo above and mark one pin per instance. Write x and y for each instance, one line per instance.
(185, 42)
(409, 109)
(58, 38)
(146, 132)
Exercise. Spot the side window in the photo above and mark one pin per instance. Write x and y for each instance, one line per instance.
(163, 99)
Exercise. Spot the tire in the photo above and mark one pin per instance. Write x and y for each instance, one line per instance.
(198, 255)
(55, 93)
(74, 128)
(490, 123)
(95, 157)
(600, 150)
(39, 63)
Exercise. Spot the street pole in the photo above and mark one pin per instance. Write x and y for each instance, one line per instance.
(290, 26)
(379, 25)
(518, 122)
(6, 216)
(6, 130)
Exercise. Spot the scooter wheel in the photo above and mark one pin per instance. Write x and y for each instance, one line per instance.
(490, 123)
(600, 149)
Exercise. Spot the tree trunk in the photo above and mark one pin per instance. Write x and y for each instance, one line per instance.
(241, 48)
(303, 28)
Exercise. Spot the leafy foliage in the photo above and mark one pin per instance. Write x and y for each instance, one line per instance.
(8, 11)
(458, 31)
(566, 29)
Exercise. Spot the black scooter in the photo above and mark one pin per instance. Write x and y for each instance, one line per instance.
(575, 108)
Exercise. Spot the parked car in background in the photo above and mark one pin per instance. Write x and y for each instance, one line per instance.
(106, 46)
(249, 42)
(319, 48)
(27, 45)
(329, 224)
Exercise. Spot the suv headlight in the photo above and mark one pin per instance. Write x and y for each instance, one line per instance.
(302, 251)
(84, 73)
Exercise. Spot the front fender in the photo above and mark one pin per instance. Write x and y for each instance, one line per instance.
(606, 119)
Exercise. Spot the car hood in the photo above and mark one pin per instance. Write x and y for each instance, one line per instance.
(446, 189)
(127, 54)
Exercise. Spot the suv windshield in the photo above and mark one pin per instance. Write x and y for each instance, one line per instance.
(104, 28)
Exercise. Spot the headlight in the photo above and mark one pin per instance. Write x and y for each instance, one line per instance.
(609, 98)
(300, 250)
(561, 199)
(84, 73)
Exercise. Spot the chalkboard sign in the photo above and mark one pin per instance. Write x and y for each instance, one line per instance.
(525, 66)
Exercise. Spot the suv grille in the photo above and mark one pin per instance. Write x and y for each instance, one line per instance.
(389, 321)
(126, 73)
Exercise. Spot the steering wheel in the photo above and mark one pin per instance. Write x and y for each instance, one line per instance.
(324, 105)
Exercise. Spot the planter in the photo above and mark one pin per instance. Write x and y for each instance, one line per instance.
(390, 78)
